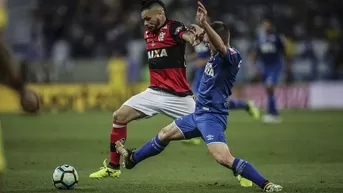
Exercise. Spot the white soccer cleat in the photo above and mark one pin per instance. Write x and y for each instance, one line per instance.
(271, 119)
(272, 188)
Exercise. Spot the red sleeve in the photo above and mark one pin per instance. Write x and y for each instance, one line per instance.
(177, 29)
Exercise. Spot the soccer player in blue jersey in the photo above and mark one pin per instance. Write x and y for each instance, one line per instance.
(210, 117)
(203, 54)
(270, 51)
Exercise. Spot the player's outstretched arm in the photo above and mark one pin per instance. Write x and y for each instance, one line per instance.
(214, 38)
(182, 34)
(29, 100)
(191, 37)
(7, 73)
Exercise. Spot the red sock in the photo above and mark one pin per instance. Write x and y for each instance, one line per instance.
(118, 134)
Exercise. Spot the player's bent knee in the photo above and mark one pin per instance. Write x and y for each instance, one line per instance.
(120, 117)
(126, 114)
(170, 133)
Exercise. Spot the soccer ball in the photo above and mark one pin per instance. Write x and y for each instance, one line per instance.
(65, 177)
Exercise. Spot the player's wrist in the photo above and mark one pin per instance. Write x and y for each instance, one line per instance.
(203, 23)
(202, 34)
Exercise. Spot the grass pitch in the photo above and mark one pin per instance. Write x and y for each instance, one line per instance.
(304, 154)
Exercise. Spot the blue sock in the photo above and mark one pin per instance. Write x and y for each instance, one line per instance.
(238, 104)
(245, 169)
(272, 105)
(152, 148)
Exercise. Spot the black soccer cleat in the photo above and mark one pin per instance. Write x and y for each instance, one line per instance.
(127, 155)
(129, 160)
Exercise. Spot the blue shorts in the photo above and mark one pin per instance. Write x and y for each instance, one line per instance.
(271, 74)
(210, 127)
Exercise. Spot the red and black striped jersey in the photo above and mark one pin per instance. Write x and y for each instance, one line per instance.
(166, 56)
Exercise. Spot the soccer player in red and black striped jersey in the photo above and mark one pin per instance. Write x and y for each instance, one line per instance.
(168, 93)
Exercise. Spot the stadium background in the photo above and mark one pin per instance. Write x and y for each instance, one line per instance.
(88, 56)
(78, 53)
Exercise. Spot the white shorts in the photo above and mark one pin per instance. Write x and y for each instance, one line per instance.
(152, 102)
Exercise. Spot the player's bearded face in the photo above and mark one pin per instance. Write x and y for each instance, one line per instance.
(152, 19)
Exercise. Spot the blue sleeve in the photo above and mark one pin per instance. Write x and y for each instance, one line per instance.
(232, 56)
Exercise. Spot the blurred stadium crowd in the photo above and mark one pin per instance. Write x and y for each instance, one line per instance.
(66, 30)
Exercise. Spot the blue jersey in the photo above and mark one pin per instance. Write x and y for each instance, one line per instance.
(202, 53)
(270, 48)
(217, 81)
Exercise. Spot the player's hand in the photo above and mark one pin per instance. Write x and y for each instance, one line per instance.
(201, 13)
(197, 31)
(194, 35)
(29, 101)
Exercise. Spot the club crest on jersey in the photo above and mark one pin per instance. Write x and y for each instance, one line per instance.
(209, 69)
(157, 53)
(161, 36)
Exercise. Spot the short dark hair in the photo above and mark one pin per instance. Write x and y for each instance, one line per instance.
(222, 30)
(146, 4)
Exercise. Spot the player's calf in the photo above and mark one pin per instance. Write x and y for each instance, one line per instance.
(151, 148)
(121, 117)
(222, 155)
(271, 102)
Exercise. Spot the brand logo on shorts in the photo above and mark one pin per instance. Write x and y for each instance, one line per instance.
(209, 137)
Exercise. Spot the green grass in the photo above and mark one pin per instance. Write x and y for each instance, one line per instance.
(304, 154)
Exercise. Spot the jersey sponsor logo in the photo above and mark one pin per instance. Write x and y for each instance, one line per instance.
(209, 69)
(267, 48)
(159, 53)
